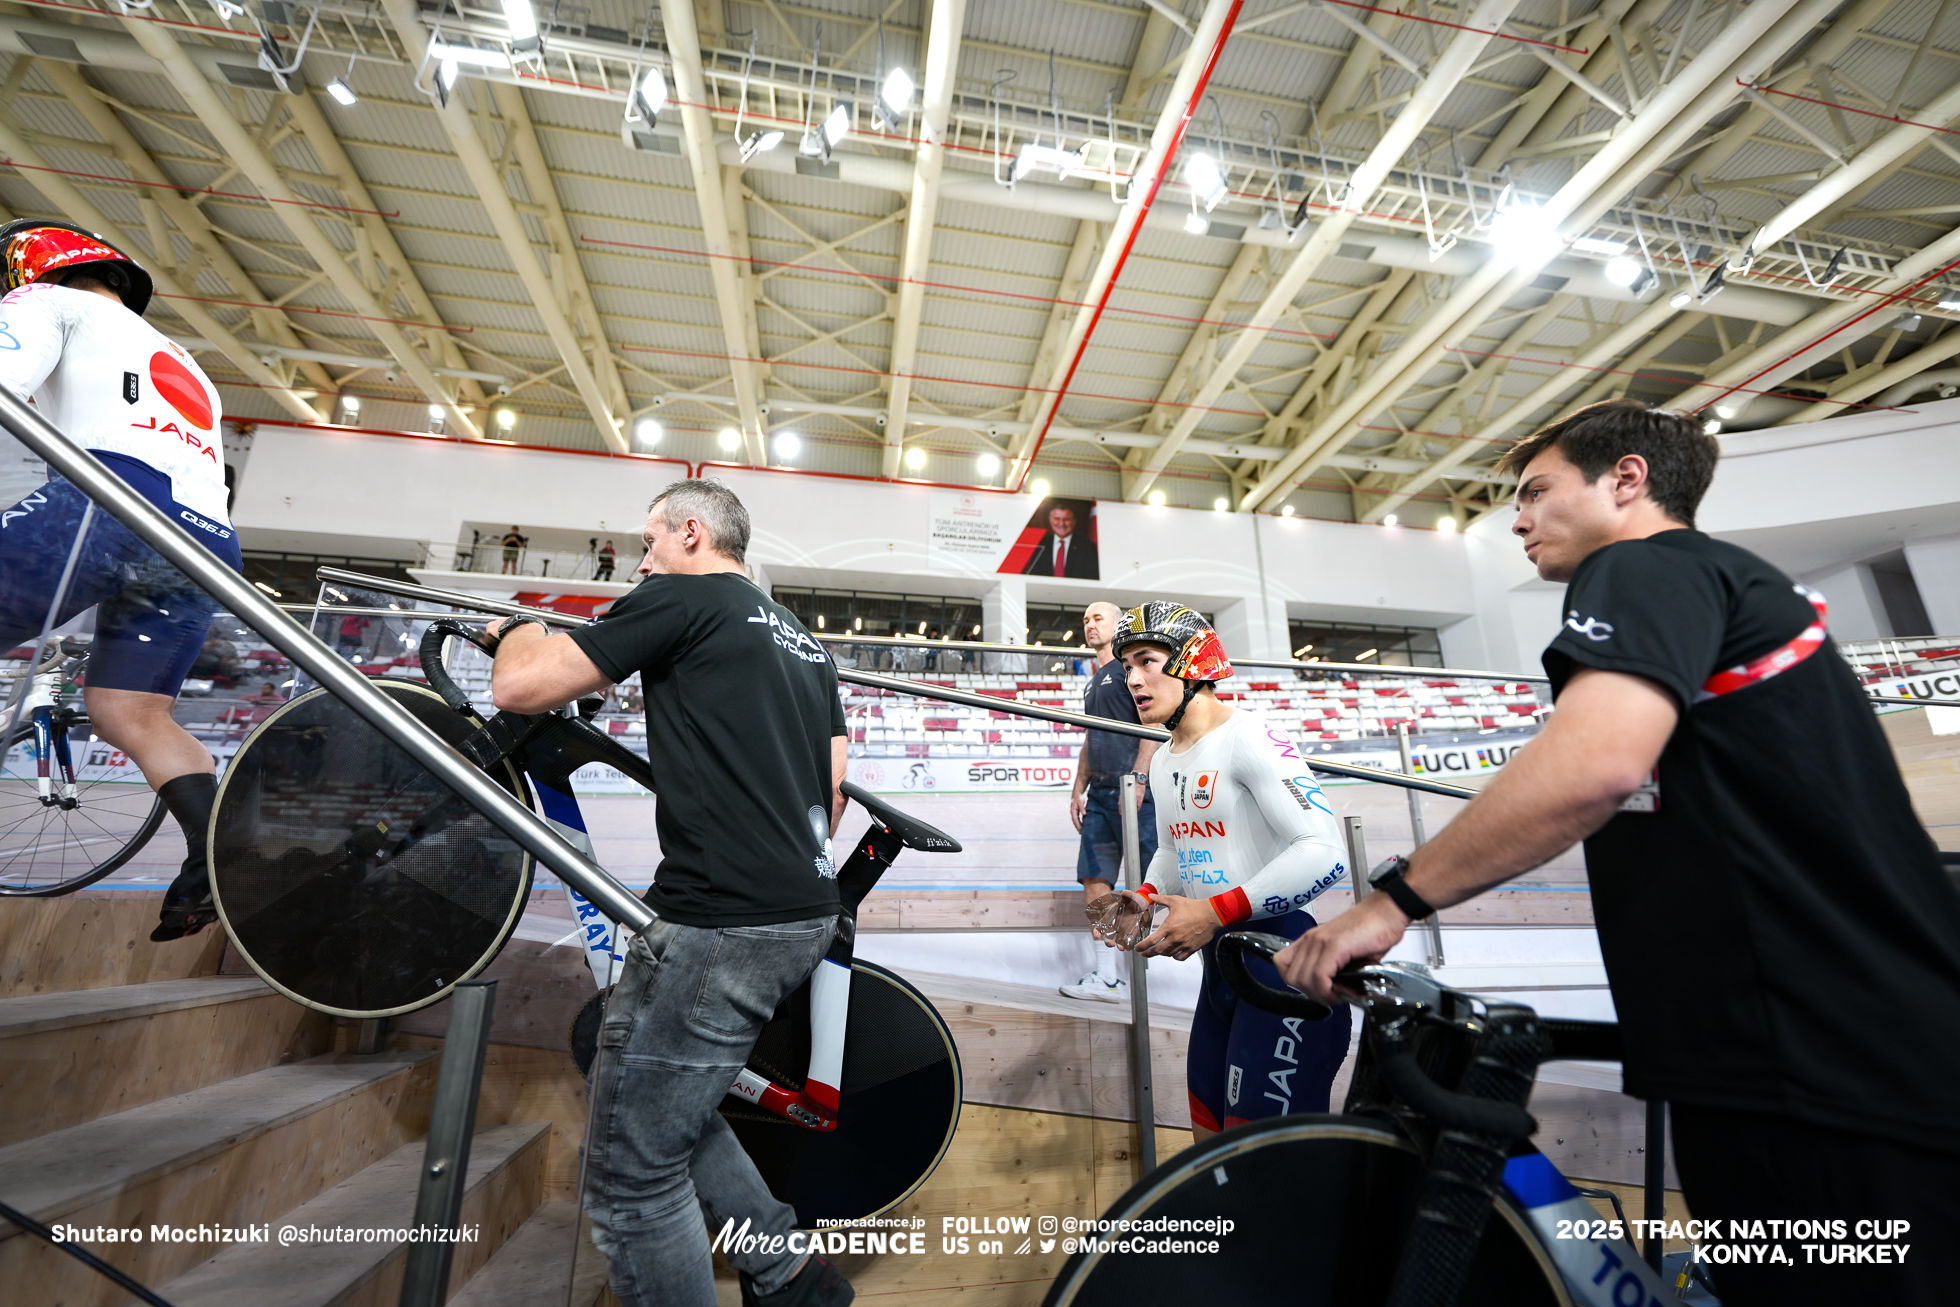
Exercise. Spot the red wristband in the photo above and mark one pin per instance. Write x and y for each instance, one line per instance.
(1231, 907)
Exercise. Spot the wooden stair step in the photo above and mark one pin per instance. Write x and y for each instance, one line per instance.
(76, 1055)
(530, 1269)
(60, 1172)
(382, 1197)
(31, 1014)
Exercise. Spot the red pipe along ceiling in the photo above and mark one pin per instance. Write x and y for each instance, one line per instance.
(1149, 198)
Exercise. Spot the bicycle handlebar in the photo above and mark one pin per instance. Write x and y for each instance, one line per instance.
(431, 654)
(1232, 951)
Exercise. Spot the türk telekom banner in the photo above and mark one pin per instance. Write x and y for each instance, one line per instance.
(891, 775)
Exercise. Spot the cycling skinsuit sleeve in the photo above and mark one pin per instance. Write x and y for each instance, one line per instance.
(33, 332)
(1243, 824)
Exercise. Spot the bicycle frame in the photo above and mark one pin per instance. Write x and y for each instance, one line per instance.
(51, 750)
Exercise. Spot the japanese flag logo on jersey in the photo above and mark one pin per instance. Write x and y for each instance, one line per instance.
(1202, 788)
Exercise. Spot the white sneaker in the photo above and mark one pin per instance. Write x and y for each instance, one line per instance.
(1094, 988)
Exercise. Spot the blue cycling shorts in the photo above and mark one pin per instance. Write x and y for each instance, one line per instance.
(1247, 1065)
(153, 618)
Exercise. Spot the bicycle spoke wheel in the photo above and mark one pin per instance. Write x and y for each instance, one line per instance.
(897, 1108)
(50, 850)
(1320, 1207)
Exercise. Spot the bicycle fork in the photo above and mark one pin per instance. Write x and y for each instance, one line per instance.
(50, 744)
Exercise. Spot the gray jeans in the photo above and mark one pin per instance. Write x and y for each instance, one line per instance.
(682, 1021)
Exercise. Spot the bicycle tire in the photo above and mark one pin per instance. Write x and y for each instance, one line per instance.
(11, 851)
(339, 933)
(1322, 1206)
(898, 1106)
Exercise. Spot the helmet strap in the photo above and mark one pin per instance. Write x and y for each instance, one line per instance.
(1190, 693)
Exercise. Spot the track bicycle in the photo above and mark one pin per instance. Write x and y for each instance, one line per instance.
(69, 814)
(353, 883)
(1425, 1192)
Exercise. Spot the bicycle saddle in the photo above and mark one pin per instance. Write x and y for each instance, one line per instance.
(911, 832)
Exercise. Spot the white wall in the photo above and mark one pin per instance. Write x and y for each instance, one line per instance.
(1857, 611)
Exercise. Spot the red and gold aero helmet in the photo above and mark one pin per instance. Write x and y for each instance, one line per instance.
(34, 250)
(1196, 654)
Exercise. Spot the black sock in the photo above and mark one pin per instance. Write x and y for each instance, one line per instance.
(190, 800)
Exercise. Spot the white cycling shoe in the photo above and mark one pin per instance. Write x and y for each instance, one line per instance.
(1097, 990)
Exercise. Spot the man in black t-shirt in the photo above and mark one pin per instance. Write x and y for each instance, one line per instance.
(1783, 946)
(745, 737)
(1095, 805)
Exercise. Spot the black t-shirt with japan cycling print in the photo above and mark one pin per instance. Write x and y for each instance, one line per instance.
(1777, 928)
(741, 706)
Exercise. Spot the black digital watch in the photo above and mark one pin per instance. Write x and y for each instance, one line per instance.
(1388, 878)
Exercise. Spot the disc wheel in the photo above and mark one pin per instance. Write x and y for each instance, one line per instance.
(347, 876)
(897, 1108)
(1320, 1207)
(46, 850)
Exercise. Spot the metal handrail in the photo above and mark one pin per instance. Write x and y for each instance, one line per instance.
(1083, 651)
(898, 684)
(340, 678)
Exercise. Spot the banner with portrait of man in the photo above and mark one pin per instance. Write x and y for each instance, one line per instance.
(1058, 540)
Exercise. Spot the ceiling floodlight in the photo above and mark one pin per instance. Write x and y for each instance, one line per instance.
(1387, 520)
(342, 92)
(1040, 488)
(647, 433)
(1286, 510)
(351, 406)
(1220, 504)
(435, 419)
(1622, 271)
(506, 418)
(1712, 427)
(788, 445)
(1196, 223)
(1206, 182)
(760, 143)
(1713, 286)
(1592, 245)
(525, 42)
(1951, 303)
(894, 97)
(1446, 524)
(1522, 233)
(986, 465)
(446, 74)
(648, 99)
(731, 439)
(1156, 499)
(1681, 299)
(838, 125)
(915, 458)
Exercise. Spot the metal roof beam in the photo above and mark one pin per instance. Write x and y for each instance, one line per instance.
(246, 153)
(67, 199)
(502, 212)
(942, 65)
(1325, 238)
(1669, 116)
(733, 283)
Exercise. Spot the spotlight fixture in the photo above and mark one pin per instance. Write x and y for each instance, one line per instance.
(342, 92)
(648, 99)
(986, 465)
(506, 418)
(1066, 163)
(647, 433)
(1622, 271)
(1156, 499)
(1713, 286)
(1446, 524)
(350, 407)
(1196, 223)
(1681, 299)
(788, 445)
(1040, 488)
(833, 129)
(857, 624)
(760, 143)
(1951, 303)
(894, 97)
(1286, 510)
(1220, 504)
(1391, 520)
(1906, 322)
(820, 621)
(435, 419)
(915, 457)
(447, 71)
(525, 42)
(1201, 174)
(730, 439)
(1522, 233)
(1712, 427)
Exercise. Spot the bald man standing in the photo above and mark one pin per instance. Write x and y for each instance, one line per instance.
(1095, 805)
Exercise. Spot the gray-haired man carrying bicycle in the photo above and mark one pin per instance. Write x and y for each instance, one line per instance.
(745, 738)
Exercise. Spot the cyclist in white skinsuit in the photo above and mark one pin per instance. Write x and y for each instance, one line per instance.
(1244, 839)
(73, 341)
